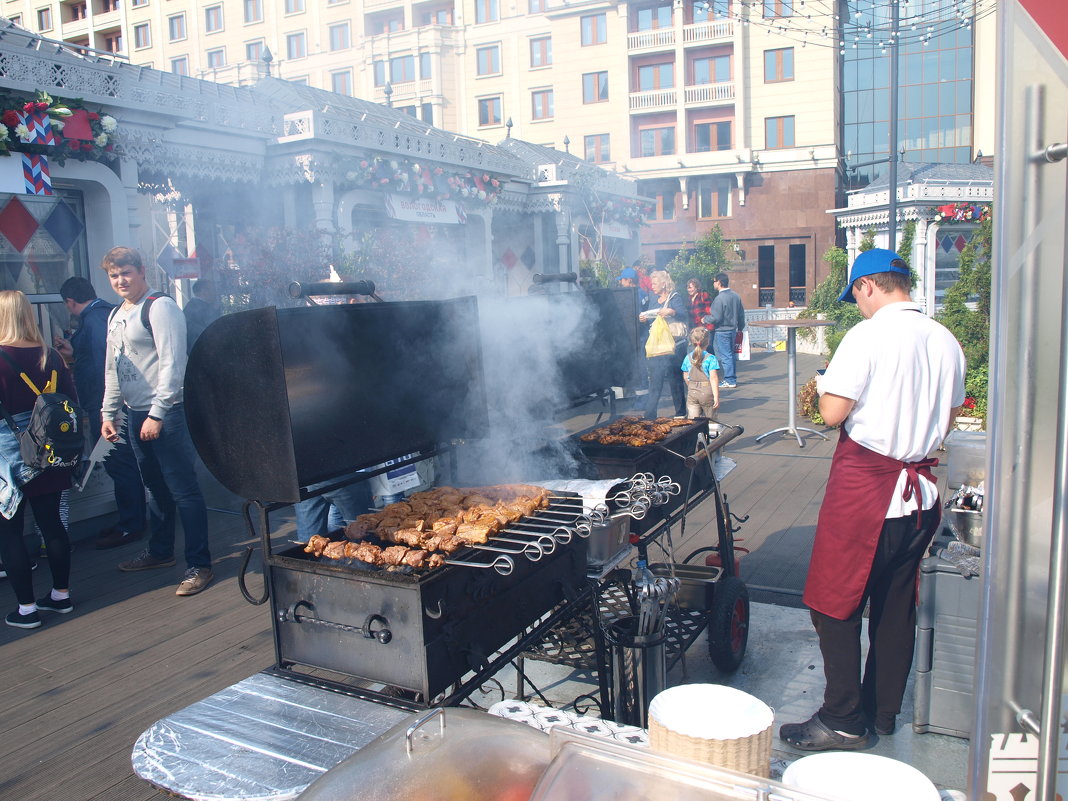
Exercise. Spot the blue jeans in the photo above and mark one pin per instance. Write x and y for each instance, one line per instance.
(168, 467)
(723, 344)
(121, 466)
(331, 510)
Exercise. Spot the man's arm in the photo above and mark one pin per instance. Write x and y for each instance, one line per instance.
(112, 395)
(834, 409)
(168, 331)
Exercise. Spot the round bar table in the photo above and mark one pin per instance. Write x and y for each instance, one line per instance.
(791, 327)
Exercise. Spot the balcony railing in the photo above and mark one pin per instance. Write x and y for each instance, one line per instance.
(656, 99)
(710, 93)
(704, 32)
(647, 40)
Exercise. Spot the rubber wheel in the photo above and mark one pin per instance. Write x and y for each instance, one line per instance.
(728, 625)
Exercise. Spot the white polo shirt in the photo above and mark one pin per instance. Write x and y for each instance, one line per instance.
(905, 372)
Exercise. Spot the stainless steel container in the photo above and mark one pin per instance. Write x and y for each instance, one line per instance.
(607, 541)
(695, 583)
(966, 525)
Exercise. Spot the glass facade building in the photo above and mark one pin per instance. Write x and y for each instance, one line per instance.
(935, 77)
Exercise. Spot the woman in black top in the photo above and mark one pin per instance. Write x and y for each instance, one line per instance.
(21, 341)
(667, 304)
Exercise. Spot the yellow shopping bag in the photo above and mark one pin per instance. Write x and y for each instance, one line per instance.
(660, 341)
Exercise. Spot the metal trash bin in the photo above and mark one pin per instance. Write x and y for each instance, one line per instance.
(639, 670)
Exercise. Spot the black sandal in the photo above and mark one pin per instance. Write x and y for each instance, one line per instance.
(815, 735)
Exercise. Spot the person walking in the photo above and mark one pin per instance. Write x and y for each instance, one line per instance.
(145, 370)
(201, 311)
(667, 304)
(24, 353)
(700, 304)
(727, 315)
(86, 350)
(894, 385)
(701, 373)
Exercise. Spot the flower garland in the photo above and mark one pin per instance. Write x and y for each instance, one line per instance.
(411, 177)
(626, 210)
(961, 212)
(76, 132)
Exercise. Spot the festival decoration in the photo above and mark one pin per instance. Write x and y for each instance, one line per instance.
(55, 128)
(412, 177)
(960, 212)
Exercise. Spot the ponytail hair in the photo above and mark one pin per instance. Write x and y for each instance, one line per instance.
(699, 340)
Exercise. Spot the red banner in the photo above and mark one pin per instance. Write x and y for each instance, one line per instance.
(1050, 17)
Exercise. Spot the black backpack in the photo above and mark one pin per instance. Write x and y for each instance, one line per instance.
(53, 437)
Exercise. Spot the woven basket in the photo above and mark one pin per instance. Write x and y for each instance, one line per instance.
(750, 754)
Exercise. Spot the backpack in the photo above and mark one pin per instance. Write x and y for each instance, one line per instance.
(53, 436)
(150, 298)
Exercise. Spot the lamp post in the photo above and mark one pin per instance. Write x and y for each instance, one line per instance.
(387, 90)
(891, 231)
(267, 57)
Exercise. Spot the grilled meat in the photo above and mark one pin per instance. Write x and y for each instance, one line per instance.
(634, 432)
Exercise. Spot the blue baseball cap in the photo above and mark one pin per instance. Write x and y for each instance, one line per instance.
(628, 272)
(876, 260)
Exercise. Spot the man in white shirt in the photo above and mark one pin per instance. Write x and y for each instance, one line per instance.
(894, 385)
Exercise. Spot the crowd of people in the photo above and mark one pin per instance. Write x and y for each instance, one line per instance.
(706, 330)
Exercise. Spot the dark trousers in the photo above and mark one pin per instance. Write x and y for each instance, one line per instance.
(13, 547)
(168, 467)
(121, 466)
(669, 369)
(891, 590)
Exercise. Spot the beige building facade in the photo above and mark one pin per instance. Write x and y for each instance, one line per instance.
(725, 112)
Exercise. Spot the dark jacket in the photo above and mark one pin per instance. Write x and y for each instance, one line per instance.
(726, 312)
(90, 344)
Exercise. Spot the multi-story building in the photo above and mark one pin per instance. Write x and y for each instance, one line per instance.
(726, 112)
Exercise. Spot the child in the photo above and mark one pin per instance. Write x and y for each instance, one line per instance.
(700, 370)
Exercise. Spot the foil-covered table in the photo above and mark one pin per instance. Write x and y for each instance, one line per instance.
(263, 739)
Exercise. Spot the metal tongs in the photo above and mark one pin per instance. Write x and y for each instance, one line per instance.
(655, 596)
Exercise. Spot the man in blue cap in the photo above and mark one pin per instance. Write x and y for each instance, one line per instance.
(894, 385)
(628, 277)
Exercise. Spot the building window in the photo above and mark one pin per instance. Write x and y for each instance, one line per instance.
(652, 17)
(254, 50)
(109, 5)
(379, 68)
(656, 76)
(402, 69)
(488, 60)
(778, 132)
(113, 43)
(798, 274)
(594, 87)
(487, 11)
(714, 69)
(658, 141)
(596, 148)
(16, 19)
(390, 23)
(44, 19)
(437, 16)
(341, 82)
(296, 45)
(294, 6)
(713, 198)
(541, 104)
(339, 36)
(76, 12)
(709, 136)
(489, 111)
(213, 19)
(779, 65)
(766, 274)
(537, 6)
(778, 8)
(138, 3)
(253, 11)
(713, 9)
(176, 27)
(594, 29)
(425, 70)
(216, 58)
(663, 194)
(541, 51)
(180, 65)
(142, 35)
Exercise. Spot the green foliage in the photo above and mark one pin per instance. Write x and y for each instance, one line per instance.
(808, 403)
(597, 273)
(904, 248)
(825, 301)
(966, 312)
(708, 257)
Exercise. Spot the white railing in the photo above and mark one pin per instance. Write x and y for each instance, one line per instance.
(710, 93)
(708, 31)
(643, 40)
(658, 98)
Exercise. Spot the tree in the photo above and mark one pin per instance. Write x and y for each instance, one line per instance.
(708, 257)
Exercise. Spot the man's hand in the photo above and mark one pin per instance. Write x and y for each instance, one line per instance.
(151, 429)
(109, 432)
(64, 348)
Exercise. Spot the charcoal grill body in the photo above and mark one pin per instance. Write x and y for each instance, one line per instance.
(419, 633)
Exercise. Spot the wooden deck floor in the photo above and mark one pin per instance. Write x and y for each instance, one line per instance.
(77, 692)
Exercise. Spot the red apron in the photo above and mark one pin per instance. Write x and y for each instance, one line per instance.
(859, 489)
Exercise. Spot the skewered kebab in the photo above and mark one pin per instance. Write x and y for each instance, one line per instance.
(372, 554)
(636, 432)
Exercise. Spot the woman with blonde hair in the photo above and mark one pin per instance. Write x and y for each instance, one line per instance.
(668, 304)
(701, 371)
(26, 359)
